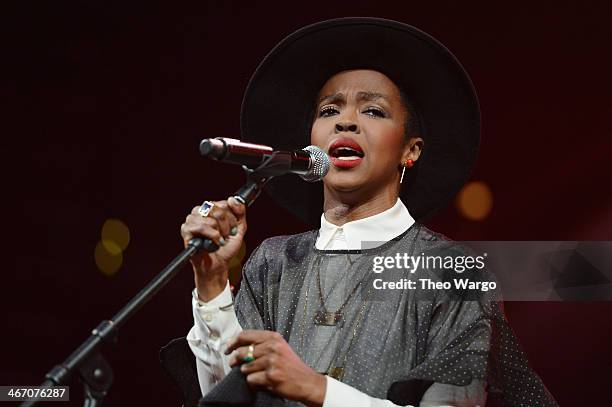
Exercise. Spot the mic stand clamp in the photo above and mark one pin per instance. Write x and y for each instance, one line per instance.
(97, 377)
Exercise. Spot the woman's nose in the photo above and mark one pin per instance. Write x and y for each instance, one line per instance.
(346, 126)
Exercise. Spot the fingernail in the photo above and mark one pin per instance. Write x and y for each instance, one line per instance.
(234, 230)
(243, 368)
(228, 345)
(222, 241)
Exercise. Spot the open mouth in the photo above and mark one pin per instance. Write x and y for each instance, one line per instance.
(345, 153)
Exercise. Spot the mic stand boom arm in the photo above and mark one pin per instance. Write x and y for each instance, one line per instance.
(94, 371)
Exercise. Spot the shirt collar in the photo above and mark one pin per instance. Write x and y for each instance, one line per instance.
(369, 232)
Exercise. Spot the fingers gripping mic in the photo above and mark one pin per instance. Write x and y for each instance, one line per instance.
(311, 163)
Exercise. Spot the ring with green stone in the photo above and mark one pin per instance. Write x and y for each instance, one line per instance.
(249, 356)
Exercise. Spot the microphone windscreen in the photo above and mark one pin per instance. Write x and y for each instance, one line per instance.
(320, 164)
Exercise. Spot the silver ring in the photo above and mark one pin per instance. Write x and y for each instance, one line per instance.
(205, 209)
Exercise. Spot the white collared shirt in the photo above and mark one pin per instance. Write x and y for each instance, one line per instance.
(215, 322)
(364, 233)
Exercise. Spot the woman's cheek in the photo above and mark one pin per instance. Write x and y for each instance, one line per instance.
(316, 134)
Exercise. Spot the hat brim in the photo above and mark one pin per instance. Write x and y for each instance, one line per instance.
(279, 101)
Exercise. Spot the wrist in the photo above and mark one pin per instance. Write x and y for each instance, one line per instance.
(210, 284)
(315, 391)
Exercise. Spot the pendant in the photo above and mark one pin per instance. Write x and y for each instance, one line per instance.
(336, 372)
(327, 318)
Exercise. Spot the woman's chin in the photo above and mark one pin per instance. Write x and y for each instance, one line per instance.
(343, 183)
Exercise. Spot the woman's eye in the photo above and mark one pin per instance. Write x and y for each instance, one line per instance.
(375, 112)
(327, 111)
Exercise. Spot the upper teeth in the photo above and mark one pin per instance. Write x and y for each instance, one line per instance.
(346, 150)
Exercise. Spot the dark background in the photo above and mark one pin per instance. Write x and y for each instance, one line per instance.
(105, 103)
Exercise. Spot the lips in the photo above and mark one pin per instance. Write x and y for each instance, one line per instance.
(345, 152)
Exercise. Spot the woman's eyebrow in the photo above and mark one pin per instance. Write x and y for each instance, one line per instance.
(371, 96)
(362, 96)
(334, 97)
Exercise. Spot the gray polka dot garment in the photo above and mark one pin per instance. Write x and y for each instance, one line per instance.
(385, 336)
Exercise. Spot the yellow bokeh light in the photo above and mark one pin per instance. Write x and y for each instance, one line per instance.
(117, 232)
(112, 247)
(475, 200)
(107, 262)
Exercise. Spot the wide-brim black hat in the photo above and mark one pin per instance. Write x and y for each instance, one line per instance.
(278, 105)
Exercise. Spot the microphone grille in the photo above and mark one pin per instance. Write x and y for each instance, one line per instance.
(319, 164)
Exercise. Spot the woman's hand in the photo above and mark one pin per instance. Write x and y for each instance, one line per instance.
(277, 367)
(225, 225)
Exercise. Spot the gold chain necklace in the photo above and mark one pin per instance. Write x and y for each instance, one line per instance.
(337, 371)
(324, 317)
(334, 370)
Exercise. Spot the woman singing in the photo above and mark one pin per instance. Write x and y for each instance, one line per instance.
(399, 118)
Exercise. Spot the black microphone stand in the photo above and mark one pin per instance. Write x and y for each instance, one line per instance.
(94, 371)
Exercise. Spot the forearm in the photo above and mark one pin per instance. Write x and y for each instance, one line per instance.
(210, 284)
(215, 323)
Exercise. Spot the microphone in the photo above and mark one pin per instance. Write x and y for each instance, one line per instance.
(310, 163)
